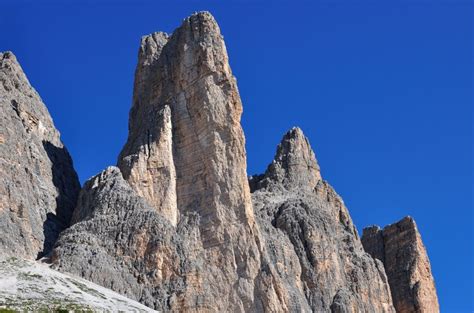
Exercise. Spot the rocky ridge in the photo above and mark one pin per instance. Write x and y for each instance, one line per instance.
(178, 226)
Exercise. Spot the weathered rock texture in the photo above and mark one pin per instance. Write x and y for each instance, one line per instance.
(178, 231)
(185, 157)
(310, 236)
(38, 185)
(185, 81)
(175, 225)
(400, 248)
(122, 243)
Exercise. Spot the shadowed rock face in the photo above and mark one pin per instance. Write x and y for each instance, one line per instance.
(38, 184)
(400, 248)
(310, 236)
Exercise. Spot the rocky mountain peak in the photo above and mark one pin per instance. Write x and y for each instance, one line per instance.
(175, 225)
(185, 153)
(294, 164)
(150, 47)
(184, 125)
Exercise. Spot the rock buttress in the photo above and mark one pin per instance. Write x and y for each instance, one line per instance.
(38, 184)
(400, 248)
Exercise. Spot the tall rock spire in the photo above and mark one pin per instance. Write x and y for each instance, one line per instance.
(146, 161)
(182, 231)
(400, 248)
(185, 153)
(186, 149)
(38, 184)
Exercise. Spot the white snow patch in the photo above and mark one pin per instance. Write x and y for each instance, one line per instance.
(32, 286)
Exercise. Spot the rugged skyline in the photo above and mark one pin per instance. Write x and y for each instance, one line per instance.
(382, 89)
(177, 226)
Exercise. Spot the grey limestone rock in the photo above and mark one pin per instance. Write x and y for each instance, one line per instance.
(177, 225)
(122, 243)
(185, 161)
(38, 184)
(311, 238)
(400, 248)
(294, 166)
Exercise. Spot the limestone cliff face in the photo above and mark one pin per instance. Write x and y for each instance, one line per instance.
(185, 136)
(147, 160)
(177, 225)
(400, 248)
(188, 76)
(310, 236)
(38, 184)
(121, 242)
(185, 157)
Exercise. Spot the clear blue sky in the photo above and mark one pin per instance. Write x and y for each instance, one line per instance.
(383, 90)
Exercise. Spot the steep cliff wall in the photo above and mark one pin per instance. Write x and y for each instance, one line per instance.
(185, 157)
(38, 184)
(200, 247)
(177, 225)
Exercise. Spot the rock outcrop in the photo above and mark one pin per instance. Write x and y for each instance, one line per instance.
(38, 184)
(185, 158)
(185, 126)
(177, 225)
(310, 236)
(294, 166)
(178, 232)
(400, 248)
(186, 148)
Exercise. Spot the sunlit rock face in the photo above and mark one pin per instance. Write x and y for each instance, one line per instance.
(186, 150)
(400, 248)
(185, 162)
(38, 184)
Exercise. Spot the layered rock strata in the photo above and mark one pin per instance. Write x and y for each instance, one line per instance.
(38, 184)
(186, 148)
(400, 248)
